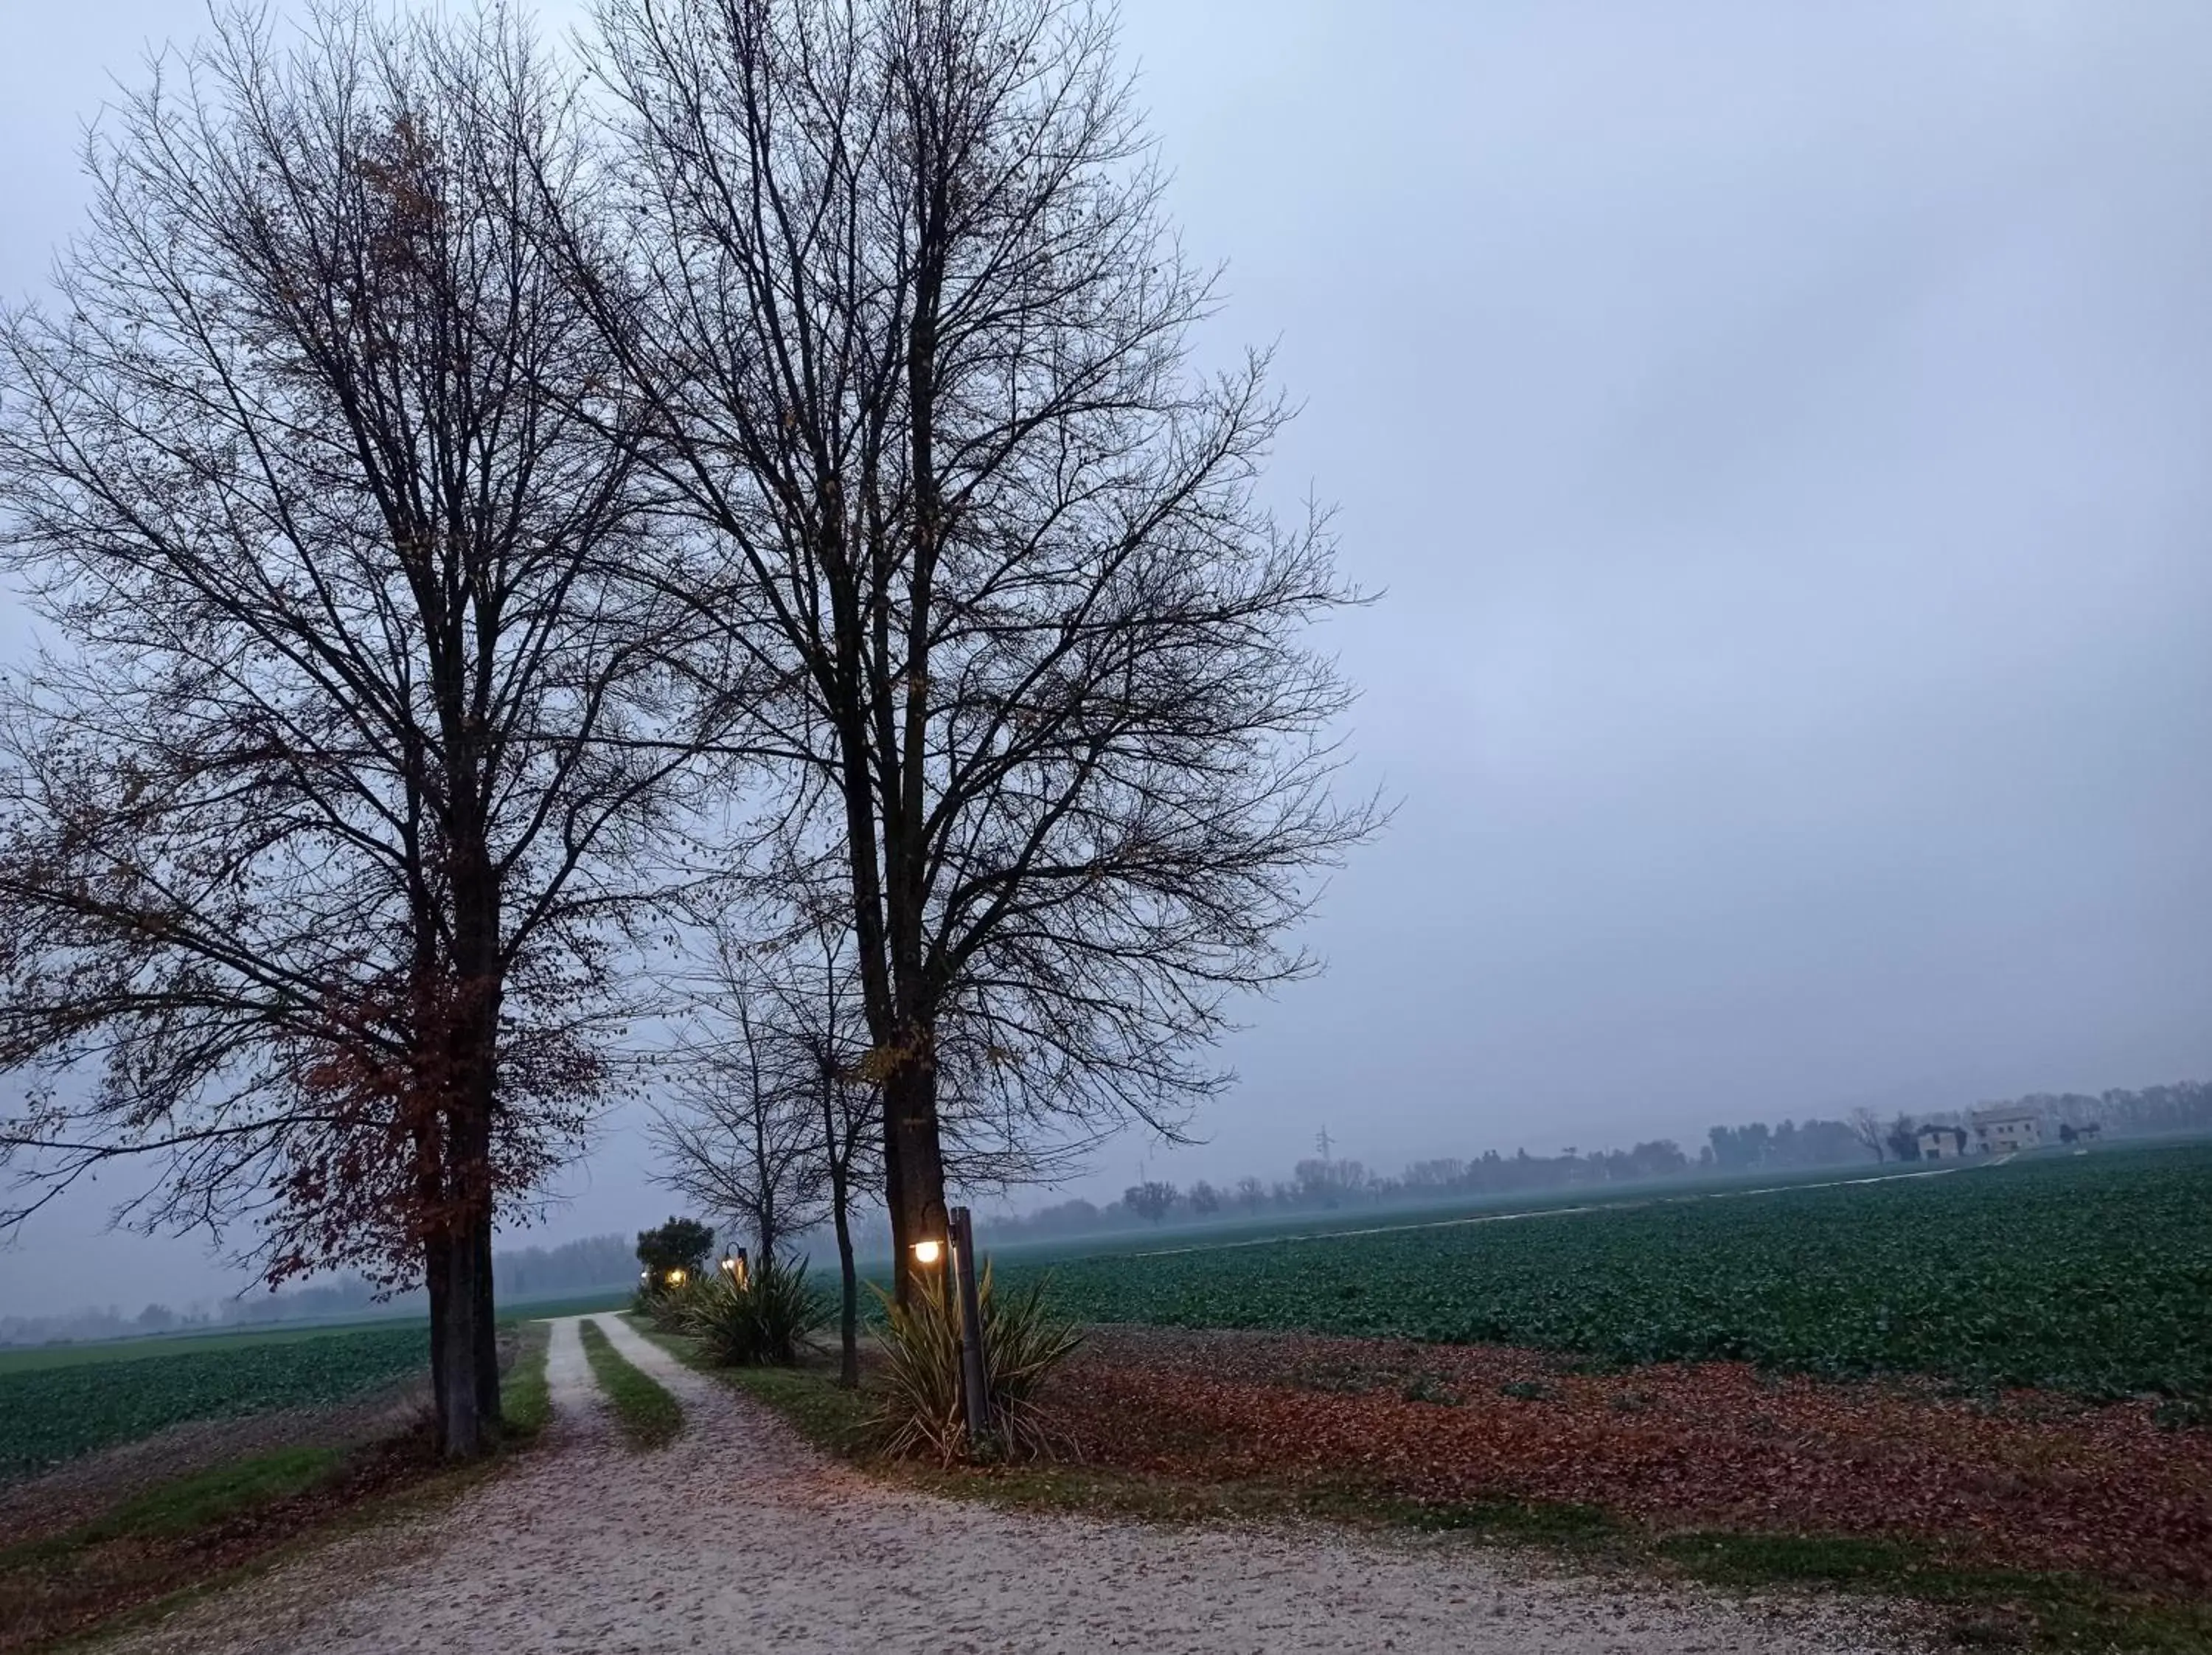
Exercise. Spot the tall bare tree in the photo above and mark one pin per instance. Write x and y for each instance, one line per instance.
(743, 1133)
(775, 1118)
(913, 337)
(816, 1009)
(317, 834)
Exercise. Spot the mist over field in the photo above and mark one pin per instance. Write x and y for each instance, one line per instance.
(1777, 439)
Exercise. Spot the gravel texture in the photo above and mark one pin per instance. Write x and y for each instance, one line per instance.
(740, 1538)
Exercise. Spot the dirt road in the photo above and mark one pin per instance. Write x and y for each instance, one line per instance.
(739, 1538)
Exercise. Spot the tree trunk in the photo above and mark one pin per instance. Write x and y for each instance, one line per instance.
(463, 1427)
(848, 1306)
(465, 1338)
(487, 1348)
(434, 1282)
(914, 1167)
(471, 1030)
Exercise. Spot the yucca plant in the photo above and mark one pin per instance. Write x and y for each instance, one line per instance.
(919, 1412)
(764, 1322)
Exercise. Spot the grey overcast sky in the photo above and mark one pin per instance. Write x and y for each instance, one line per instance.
(1783, 432)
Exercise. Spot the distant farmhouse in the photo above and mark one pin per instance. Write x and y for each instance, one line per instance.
(1942, 1143)
(2005, 1129)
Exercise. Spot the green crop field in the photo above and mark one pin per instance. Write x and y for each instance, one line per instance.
(14, 1357)
(156, 1347)
(55, 1411)
(2089, 1273)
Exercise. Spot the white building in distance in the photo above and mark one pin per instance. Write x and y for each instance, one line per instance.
(1942, 1143)
(2003, 1129)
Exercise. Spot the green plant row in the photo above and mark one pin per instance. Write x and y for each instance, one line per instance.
(2090, 1275)
(48, 1415)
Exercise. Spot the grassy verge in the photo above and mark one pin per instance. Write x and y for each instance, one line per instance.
(202, 1500)
(649, 1417)
(1982, 1607)
(196, 1532)
(1975, 1607)
(524, 1401)
(201, 1532)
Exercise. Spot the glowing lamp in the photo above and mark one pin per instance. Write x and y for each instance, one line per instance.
(926, 1252)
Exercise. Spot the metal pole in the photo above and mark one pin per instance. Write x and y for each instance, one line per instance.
(972, 1382)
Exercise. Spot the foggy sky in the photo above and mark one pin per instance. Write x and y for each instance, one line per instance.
(1784, 437)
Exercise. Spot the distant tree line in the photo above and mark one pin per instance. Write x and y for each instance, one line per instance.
(574, 1267)
(2068, 1118)
(1324, 1185)
(1809, 1143)
(1320, 1184)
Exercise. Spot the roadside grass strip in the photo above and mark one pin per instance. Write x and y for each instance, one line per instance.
(526, 1401)
(649, 1415)
(191, 1533)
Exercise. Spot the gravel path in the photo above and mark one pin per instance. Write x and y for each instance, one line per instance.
(739, 1538)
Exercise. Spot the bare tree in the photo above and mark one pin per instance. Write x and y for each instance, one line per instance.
(743, 1137)
(825, 1030)
(1866, 1126)
(314, 845)
(773, 1120)
(1152, 1200)
(914, 334)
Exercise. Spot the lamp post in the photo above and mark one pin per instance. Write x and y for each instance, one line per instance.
(973, 1384)
(964, 1303)
(738, 1268)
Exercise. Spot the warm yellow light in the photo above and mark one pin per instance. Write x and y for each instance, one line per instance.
(676, 1278)
(925, 1252)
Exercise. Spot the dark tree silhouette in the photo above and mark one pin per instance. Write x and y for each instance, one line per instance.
(682, 1243)
(913, 333)
(1150, 1200)
(773, 1116)
(741, 1131)
(315, 839)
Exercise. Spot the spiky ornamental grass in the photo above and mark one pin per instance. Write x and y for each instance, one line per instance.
(763, 1323)
(920, 1415)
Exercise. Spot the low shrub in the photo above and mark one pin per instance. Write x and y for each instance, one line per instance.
(920, 1411)
(670, 1310)
(763, 1322)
